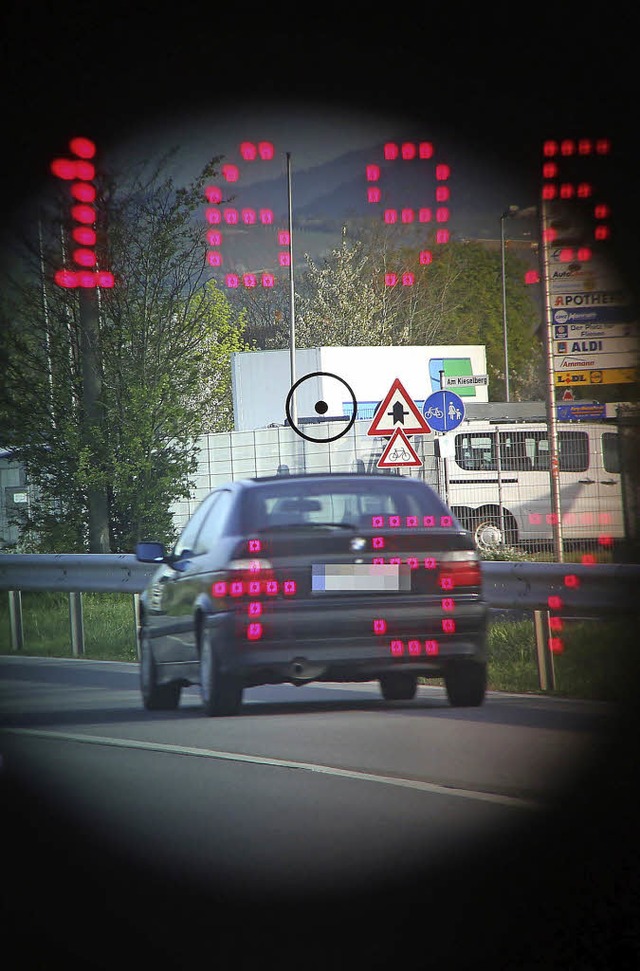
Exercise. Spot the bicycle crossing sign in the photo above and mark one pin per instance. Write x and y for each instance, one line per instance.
(444, 410)
(398, 411)
(399, 452)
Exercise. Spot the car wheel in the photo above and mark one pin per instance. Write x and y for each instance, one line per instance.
(221, 694)
(398, 686)
(466, 683)
(155, 697)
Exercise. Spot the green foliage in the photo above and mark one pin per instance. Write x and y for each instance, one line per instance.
(600, 660)
(456, 298)
(163, 375)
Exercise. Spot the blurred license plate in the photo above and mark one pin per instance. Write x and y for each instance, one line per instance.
(359, 578)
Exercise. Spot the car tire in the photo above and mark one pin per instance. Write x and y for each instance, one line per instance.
(398, 686)
(221, 693)
(155, 697)
(466, 683)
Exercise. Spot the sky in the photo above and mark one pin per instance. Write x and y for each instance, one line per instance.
(310, 136)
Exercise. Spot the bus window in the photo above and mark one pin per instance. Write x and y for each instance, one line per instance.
(516, 451)
(541, 461)
(573, 448)
(610, 452)
(475, 452)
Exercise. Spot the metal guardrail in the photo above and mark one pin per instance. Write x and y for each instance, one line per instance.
(594, 588)
(562, 588)
(598, 588)
(74, 572)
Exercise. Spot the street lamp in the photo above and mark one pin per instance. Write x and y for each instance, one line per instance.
(511, 211)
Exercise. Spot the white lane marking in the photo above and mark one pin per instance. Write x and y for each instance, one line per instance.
(511, 801)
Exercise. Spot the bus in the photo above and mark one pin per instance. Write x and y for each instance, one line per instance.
(497, 482)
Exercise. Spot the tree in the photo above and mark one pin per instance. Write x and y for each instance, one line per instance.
(340, 301)
(165, 335)
(455, 297)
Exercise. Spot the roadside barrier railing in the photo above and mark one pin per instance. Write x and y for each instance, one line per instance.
(545, 589)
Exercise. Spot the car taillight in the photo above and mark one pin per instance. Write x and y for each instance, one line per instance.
(459, 569)
(245, 578)
(251, 578)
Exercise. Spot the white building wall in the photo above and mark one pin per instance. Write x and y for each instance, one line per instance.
(262, 379)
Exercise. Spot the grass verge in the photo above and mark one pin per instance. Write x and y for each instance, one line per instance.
(600, 660)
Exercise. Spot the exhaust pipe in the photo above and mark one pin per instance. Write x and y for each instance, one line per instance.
(302, 670)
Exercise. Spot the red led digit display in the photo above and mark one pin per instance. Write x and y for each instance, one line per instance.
(251, 153)
(84, 235)
(81, 173)
(566, 159)
(82, 147)
(83, 191)
(407, 216)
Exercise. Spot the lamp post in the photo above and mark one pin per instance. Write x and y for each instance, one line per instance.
(292, 318)
(511, 211)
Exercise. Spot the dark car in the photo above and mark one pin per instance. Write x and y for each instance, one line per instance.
(326, 577)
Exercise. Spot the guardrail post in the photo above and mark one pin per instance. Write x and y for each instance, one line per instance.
(15, 620)
(544, 657)
(76, 618)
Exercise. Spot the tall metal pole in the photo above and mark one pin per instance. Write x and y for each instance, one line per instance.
(504, 310)
(93, 419)
(554, 456)
(292, 310)
(47, 328)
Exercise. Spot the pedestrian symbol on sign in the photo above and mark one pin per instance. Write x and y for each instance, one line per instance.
(444, 410)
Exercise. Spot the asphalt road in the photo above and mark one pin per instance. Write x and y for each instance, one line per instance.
(312, 807)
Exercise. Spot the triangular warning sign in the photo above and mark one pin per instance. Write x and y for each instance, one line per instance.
(398, 451)
(568, 395)
(397, 410)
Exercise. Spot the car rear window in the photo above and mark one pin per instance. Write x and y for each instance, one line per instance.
(376, 502)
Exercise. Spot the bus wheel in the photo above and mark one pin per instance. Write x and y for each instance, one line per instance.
(487, 535)
(487, 532)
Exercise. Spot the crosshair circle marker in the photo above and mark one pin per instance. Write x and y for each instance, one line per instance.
(321, 407)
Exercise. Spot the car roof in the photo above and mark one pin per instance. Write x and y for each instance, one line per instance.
(326, 476)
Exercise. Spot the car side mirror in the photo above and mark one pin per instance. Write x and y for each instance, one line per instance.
(150, 552)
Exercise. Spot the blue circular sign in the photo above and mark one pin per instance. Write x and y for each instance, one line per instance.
(443, 410)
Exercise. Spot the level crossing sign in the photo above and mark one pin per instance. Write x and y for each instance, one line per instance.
(444, 410)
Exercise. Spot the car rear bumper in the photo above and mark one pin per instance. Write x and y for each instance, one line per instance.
(352, 641)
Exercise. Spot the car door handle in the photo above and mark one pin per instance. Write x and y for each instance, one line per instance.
(608, 481)
(586, 481)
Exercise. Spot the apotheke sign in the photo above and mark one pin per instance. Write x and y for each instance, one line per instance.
(591, 298)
